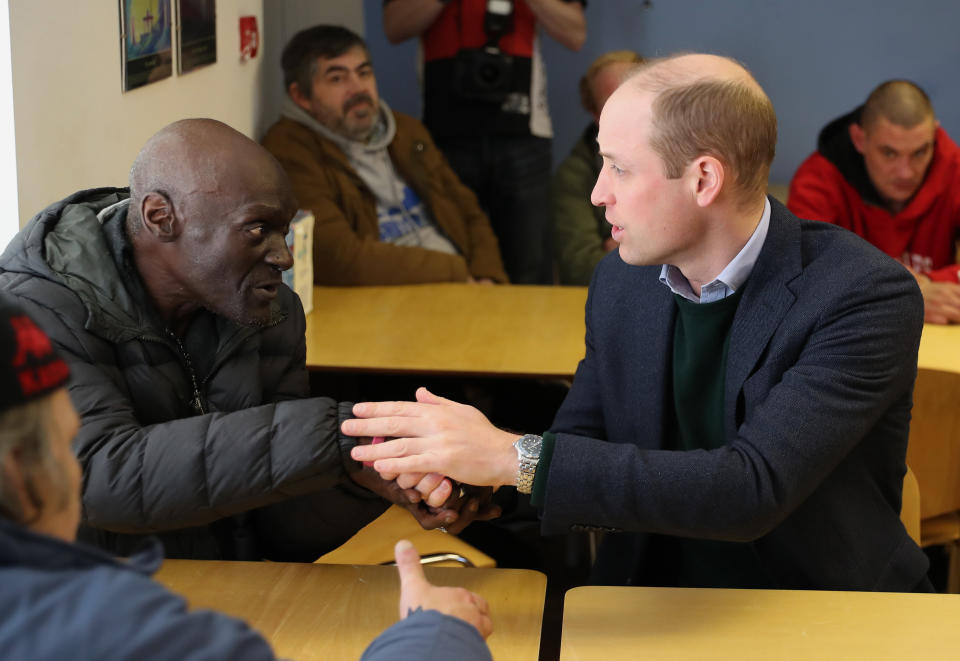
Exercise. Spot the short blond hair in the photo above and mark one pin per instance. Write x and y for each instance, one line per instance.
(730, 119)
(586, 81)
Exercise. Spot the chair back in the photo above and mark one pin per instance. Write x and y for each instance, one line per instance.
(910, 509)
(934, 448)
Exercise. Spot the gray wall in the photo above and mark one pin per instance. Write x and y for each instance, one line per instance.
(816, 58)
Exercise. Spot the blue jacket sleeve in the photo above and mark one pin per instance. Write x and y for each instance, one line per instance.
(109, 613)
(428, 636)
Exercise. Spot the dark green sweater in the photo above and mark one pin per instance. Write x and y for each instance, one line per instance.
(701, 339)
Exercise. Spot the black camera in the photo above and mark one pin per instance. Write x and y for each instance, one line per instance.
(484, 74)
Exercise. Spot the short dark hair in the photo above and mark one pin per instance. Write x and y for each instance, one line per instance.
(299, 58)
(900, 102)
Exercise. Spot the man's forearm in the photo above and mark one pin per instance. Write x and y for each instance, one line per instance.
(144, 478)
(405, 19)
(564, 21)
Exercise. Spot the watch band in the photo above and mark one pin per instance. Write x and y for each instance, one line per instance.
(528, 456)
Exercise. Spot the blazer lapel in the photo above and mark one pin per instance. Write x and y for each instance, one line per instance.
(641, 327)
(656, 338)
(766, 300)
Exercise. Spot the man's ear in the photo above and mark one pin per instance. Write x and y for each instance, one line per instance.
(858, 137)
(709, 174)
(159, 216)
(13, 476)
(298, 97)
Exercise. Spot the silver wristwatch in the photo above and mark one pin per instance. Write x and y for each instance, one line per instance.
(528, 454)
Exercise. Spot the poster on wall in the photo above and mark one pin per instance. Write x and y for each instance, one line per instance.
(145, 31)
(197, 44)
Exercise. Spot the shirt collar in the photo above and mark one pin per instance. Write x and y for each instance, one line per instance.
(733, 274)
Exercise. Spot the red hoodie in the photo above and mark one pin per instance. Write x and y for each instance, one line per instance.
(832, 185)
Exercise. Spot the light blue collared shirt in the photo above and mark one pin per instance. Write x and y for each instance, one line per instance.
(733, 274)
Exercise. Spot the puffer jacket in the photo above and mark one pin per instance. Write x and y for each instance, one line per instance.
(151, 461)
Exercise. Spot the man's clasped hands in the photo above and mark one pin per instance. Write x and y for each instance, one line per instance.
(443, 457)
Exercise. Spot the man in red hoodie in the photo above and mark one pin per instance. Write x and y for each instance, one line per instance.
(888, 172)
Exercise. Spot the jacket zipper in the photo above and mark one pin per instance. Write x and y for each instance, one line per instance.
(197, 403)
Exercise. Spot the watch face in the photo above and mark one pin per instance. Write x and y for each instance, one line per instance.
(530, 445)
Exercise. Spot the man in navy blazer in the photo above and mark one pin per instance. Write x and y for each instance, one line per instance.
(740, 417)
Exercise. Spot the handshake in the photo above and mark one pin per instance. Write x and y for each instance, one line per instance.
(443, 461)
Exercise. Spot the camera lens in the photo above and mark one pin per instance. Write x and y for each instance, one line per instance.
(482, 75)
(489, 73)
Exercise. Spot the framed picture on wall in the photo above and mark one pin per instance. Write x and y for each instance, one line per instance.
(197, 41)
(145, 41)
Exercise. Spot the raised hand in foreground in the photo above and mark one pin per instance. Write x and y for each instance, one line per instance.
(417, 592)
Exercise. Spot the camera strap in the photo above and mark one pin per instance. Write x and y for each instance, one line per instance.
(497, 22)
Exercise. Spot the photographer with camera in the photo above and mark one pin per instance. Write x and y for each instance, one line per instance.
(485, 103)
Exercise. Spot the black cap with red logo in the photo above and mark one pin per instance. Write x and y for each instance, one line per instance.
(29, 365)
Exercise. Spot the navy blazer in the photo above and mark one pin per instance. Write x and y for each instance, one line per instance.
(820, 372)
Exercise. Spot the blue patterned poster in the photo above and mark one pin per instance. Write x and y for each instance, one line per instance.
(145, 32)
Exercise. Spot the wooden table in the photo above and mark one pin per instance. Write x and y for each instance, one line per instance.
(934, 449)
(532, 331)
(516, 330)
(461, 329)
(940, 348)
(614, 623)
(373, 544)
(332, 612)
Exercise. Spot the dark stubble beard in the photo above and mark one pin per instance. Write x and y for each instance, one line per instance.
(239, 314)
(361, 135)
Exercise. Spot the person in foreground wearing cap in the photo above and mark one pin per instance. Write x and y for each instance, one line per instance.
(188, 358)
(62, 600)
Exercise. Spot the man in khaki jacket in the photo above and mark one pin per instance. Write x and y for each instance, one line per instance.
(388, 207)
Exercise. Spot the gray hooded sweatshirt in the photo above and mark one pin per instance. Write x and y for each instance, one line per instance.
(402, 216)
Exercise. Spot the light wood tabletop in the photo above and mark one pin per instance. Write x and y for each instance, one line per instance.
(940, 348)
(332, 612)
(462, 329)
(373, 544)
(614, 623)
